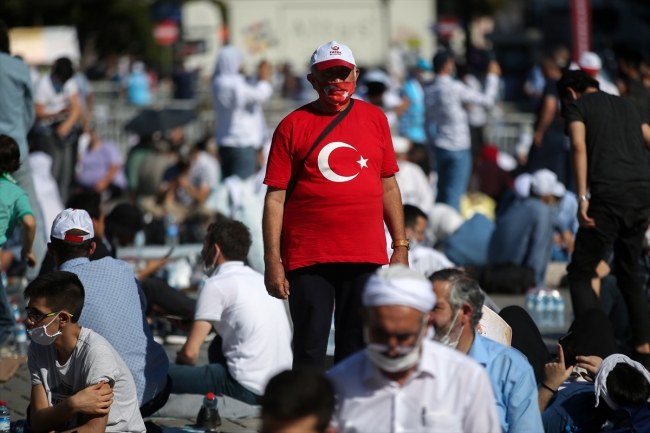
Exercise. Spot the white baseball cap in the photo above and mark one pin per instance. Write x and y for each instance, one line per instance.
(590, 62)
(401, 144)
(544, 182)
(71, 219)
(332, 54)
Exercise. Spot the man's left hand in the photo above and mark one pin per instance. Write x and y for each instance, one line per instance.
(400, 256)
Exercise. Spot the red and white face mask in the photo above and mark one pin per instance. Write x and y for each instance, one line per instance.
(335, 94)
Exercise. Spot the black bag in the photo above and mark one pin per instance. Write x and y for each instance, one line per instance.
(505, 279)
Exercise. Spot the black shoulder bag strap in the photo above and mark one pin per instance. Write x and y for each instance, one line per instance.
(294, 179)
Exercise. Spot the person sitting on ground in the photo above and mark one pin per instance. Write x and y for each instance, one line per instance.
(455, 318)
(185, 187)
(299, 400)
(14, 208)
(79, 381)
(114, 306)
(403, 381)
(413, 183)
(102, 167)
(91, 202)
(254, 341)
(615, 398)
(423, 259)
(524, 232)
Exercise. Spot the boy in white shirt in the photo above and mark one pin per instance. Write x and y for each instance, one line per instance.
(79, 382)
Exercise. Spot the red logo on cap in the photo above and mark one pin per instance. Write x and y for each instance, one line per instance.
(335, 47)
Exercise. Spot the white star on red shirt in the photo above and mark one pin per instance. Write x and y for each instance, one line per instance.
(362, 163)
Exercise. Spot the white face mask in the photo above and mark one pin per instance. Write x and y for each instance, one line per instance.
(40, 336)
(446, 339)
(646, 240)
(406, 358)
(208, 270)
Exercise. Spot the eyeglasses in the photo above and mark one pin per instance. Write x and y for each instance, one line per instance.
(36, 317)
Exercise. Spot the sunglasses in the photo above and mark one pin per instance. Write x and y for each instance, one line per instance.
(37, 317)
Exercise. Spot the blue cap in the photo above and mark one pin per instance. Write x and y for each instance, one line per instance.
(440, 59)
(423, 64)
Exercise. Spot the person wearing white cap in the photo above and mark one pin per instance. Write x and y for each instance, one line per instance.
(331, 185)
(413, 183)
(113, 306)
(403, 382)
(524, 232)
(590, 63)
(240, 128)
(377, 89)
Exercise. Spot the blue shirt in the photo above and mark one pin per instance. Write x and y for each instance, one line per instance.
(411, 123)
(114, 308)
(513, 383)
(571, 410)
(16, 101)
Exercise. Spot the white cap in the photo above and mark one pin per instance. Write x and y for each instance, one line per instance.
(399, 285)
(332, 54)
(544, 182)
(590, 62)
(401, 144)
(71, 219)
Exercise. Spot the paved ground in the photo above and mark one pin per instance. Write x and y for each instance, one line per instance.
(17, 390)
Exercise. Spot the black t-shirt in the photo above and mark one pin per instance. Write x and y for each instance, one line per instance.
(617, 165)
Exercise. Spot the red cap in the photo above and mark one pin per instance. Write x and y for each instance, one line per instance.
(3, 403)
(19, 320)
(210, 396)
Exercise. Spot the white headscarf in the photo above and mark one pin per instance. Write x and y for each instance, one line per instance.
(229, 61)
(399, 285)
(603, 371)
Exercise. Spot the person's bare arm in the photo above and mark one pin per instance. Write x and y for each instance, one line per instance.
(104, 182)
(189, 353)
(274, 276)
(546, 116)
(578, 137)
(29, 231)
(94, 424)
(406, 103)
(646, 134)
(94, 400)
(75, 114)
(555, 373)
(394, 218)
(200, 194)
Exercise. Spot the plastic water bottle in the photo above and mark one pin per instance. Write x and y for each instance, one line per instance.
(171, 230)
(139, 242)
(15, 309)
(5, 420)
(540, 297)
(208, 416)
(5, 280)
(20, 339)
(549, 309)
(558, 300)
(530, 301)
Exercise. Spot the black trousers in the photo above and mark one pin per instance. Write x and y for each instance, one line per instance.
(624, 227)
(315, 291)
(161, 294)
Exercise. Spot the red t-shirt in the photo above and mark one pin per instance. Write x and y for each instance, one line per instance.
(335, 213)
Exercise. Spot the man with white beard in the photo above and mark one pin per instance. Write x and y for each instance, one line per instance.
(401, 381)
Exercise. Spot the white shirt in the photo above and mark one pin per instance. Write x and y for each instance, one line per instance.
(449, 392)
(254, 326)
(476, 114)
(426, 260)
(47, 190)
(54, 102)
(444, 108)
(414, 186)
(607, 86)
(238, 109)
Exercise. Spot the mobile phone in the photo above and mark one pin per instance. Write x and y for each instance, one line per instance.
(568, 343)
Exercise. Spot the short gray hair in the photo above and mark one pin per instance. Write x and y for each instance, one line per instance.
(462, 289)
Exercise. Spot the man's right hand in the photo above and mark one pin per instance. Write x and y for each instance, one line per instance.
(275, 280)
(494, 68)
(93, 400)
(583, 218)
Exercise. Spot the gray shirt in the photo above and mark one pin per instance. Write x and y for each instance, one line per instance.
(16, 101)
(93, 360)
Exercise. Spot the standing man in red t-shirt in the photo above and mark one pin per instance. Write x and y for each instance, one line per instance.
(324, 241)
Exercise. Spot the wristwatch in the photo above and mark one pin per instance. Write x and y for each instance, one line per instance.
(400, 243)
(583, 198)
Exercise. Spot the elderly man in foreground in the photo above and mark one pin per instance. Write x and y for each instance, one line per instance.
(455, 318)
(401, 381)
